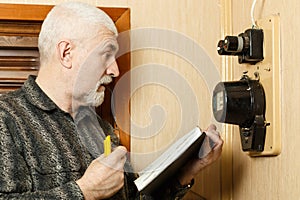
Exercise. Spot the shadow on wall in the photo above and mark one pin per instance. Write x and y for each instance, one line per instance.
(193, 196)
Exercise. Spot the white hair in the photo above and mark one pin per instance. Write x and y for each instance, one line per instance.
(75, 21)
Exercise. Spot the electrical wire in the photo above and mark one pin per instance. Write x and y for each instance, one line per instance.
(252, 14)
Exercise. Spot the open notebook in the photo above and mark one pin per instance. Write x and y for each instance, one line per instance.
(168, 163)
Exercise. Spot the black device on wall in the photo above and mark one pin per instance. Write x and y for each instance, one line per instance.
(248, 46)
(243, 102)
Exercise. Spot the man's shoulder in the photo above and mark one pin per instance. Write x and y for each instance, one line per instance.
(7, 96)
(10, 98)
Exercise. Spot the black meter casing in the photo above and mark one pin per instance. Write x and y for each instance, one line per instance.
(248, 46)
(242, 103)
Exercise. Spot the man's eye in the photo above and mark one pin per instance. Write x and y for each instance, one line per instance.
(107, 55)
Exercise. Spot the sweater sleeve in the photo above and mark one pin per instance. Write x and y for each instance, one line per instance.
(67, 191)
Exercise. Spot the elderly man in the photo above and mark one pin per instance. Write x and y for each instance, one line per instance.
(51, 148)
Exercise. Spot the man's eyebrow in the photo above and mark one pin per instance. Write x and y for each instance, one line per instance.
(112, 47)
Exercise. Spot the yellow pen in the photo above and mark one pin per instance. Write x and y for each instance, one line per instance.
(107, 146)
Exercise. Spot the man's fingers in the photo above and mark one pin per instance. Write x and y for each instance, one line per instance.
(116, 159)
(119, 152)
(212, 127)
(214, 136)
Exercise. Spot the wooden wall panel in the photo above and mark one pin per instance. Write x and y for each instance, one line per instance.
(199, 21)
(277, 177)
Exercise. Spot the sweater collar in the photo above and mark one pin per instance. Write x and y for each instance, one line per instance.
(36, 95)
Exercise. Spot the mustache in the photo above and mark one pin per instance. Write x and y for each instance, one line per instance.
(106, 79)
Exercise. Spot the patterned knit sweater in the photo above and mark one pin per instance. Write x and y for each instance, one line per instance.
(42, 155)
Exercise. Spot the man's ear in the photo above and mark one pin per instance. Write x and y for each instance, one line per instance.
(64, 53)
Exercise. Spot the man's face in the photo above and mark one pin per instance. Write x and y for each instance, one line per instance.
(96, 61)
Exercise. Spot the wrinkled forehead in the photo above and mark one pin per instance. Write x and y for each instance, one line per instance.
(106, 42)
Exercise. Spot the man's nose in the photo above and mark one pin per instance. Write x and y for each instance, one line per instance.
(113, 69)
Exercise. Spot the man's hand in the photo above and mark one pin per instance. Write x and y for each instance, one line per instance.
(105, 176)
(193, 167)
